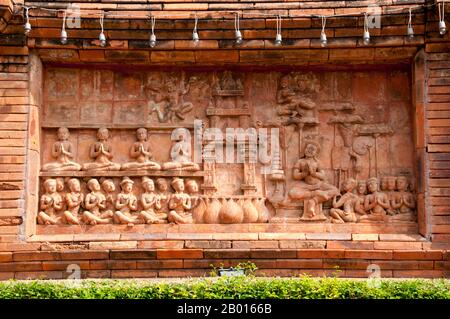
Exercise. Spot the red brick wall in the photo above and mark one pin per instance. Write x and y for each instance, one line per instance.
(282, 254)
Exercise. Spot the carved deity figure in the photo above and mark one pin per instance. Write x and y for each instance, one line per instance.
(62, 152)
(348, 201)
(140, 151)
(403, 200)
(60, 190)
(95, 203)
(162, 207)
(375, 203)
(295, 103)
(126, 204)
(311, 187)
(227, 82)
(173, 106)
(180, 154)
(109, 188)
(150, 202)
(101, 152)
(74, 200)
(50, 203)
(179, 204)
(388, 187)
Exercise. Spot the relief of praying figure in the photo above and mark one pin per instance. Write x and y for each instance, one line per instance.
(109, 188)
(192, 190)
(311, 187)
(403, 201)
(162, 207)
(348, 201)
(126, 204)
(375, 203)
(74, 200)
(62, 152)
(180, 153)
(361, 190)
(388, 188)
(95, 204)
(100, 151)
(179, 204)
(140, 151)
(51, 203)
(173, 106)
(151, 203)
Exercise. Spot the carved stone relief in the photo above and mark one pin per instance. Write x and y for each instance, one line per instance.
(122, 148)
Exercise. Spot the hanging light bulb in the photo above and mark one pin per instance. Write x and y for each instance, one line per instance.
(195, 36)
(278, 38)
(323, 35)
(153, 36)
(237, 30)
(410, 31)
(366, 35)
(101, 36)
(27, 25)
(63, 30)
(442, 26)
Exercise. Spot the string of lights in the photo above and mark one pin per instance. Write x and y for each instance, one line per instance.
(238, 35)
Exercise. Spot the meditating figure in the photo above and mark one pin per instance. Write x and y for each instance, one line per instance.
(375, 203)
(403, 200)
(74, 200)
(109, 188)
(101, 152)
(162, 207)
(60, 190)
(95, 203)
(50, 203)
(348, 202)
(179, 204)
(151, 203)
(140, 151)
(126, 204)
(62, 152)
(180, 154)
(192, 190)
(311, 187)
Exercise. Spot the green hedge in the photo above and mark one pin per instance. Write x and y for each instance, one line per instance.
(229, 287)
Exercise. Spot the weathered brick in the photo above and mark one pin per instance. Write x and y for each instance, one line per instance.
(272, 253)
(36, 255)
(133, 254)
(174, 244)
(320, 253)
(160, 264)
(398, 245)
(84, 254)
(208, 244)
(417, 254)
(368, 254)
(299, 263)
(227, 253)
(134, 273)
(179, 253)
(5, 257)
(64, 265)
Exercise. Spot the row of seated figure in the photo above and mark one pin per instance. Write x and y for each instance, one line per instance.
(101, 206)
(369, 203)
(101, 152)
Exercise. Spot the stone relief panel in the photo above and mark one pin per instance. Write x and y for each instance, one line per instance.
(126, 147)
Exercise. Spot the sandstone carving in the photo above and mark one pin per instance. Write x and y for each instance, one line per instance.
(179, 204)
(50, 203)
(348, 202)
(151, 203)
(95, 204)
(74, 200)
(62, 151)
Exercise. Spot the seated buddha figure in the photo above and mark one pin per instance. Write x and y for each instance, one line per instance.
(180, 153)
(95, 203)
(51, 204)
(179, 204)
(62, 152)
(126, 204)
(311, 187)
(140, 151)
(100, 151)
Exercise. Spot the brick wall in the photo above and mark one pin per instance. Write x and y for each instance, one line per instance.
(274, 253)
